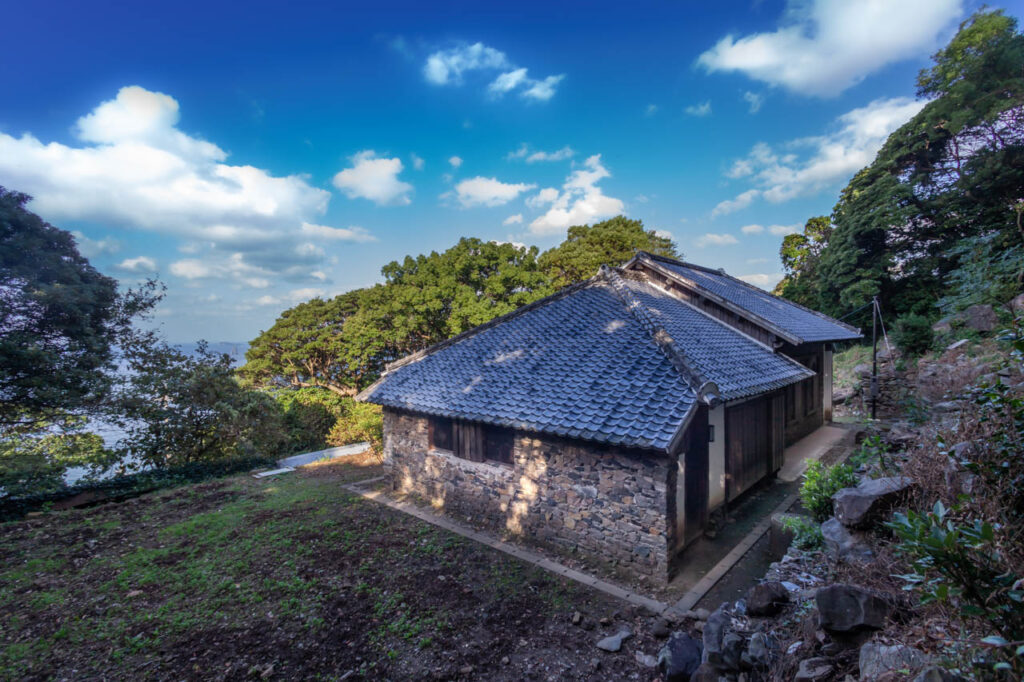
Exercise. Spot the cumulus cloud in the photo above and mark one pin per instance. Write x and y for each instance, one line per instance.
(525, 153)
(133, 167)
(516, 219)
(579, 202)
(699, 110)
(374, 178)
(345, 234)
(712, 239)
(752, 229)
(455, 161)
(732, 205)
(138, 265)
(823, 47)
(808, 165)
(782, 230)
(480, 191)
(764, 280)
(417, 162)
(753, 100)
(447, 67)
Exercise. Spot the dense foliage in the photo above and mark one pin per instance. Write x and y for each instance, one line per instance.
(344, 343)
(60, 321)
(939, 209)
(820, 484)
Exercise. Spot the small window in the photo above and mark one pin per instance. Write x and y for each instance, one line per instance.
(500, 444)
(440, 433)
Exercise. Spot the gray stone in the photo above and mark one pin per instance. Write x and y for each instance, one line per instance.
(842, 545)
(937, 674)
(680, 657)
(706, 673)
(980, 318)
(702, 613)
(848, 608)
(943, 326)
(859, 507)
(733, 647)
(760, 651)
(766, 599)
(780, 537)
(714, 633)
(812, 669)
(842, 394)
(614, 642)
(947, 406)
(646, 660)
(877, 660)
(957, 344)
(660, 628)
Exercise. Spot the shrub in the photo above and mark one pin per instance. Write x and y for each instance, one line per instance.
(309, 415)
(820, 484)
(806, 533)
(913, 333)
(364, 422)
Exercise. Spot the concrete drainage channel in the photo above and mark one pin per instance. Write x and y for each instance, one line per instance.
(289, 464)
(671, 611)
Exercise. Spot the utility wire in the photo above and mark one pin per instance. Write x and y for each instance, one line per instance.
(871, 302)
(882, 323)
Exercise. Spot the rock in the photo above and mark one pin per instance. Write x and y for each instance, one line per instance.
(466, 670)
(848, 608)
(957, 344)
(680, 657)
(702, 614)
(714, 635)
(779, 537)
(842, 545)
(606, 621)
(980, 317)
(944, 326)
(733, 647)
(958, 480)
(505, 660)
(766, 599)
(759, 653)
(859, 507)
(705, 673)
(646, 660)
(660, 628)
(577, 618)
(812, 669)
(1017, 304)
(135, 593)
(863, 369)
(877, 660)
(842, 394)
(935, 673)
(614, 642)
(947, 406)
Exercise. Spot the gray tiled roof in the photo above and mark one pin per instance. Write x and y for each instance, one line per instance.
(584, 364)
(801, 323)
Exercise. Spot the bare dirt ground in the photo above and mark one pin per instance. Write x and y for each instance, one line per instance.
(289, 578)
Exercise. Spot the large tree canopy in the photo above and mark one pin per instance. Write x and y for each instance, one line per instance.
(942, 192)
(611, 242)
(59, 320)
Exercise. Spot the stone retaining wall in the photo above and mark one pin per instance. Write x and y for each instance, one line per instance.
(607, 503)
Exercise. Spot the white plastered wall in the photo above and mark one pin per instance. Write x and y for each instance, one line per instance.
(716, 458)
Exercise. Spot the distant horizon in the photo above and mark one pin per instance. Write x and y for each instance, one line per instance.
(298, 152)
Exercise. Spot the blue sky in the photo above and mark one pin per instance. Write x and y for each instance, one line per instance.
(256, 158)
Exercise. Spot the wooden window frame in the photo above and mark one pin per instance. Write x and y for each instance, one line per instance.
(810, 387)
(472, 441)
(436, 426)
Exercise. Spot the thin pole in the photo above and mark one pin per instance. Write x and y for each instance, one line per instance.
(874, 358)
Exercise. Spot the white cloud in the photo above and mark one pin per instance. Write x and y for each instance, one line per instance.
(752, 229)
(781, 175)
(651, 110)
(754, 261)
(136, 169)
(732, 205)
(507, 81)
(90, 248)
(137, 265)
(823, 47)
(781, 230)
(753, 100)
(712, 239)
(190, 268)
(524, 152)
(447, 67)
(480, 191)
(581, 201)
(455, 161)
(665, 234)
(702, 109)
(374, 178)
(542, 198)
(513, 219)
(417, 162)
(765, 280)
(353, 233)
(233, 267)
(544, 89)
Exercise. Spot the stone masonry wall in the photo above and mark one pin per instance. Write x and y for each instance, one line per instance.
(607, 503)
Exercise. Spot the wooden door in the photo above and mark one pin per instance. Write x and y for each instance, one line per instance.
(748, 445)
(777, 415)
(692, 482)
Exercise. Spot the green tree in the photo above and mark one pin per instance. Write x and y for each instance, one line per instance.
(800, 254)
(60, 322)
(306, 348)
(588, 247)
(948, 177)
(178, 409)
